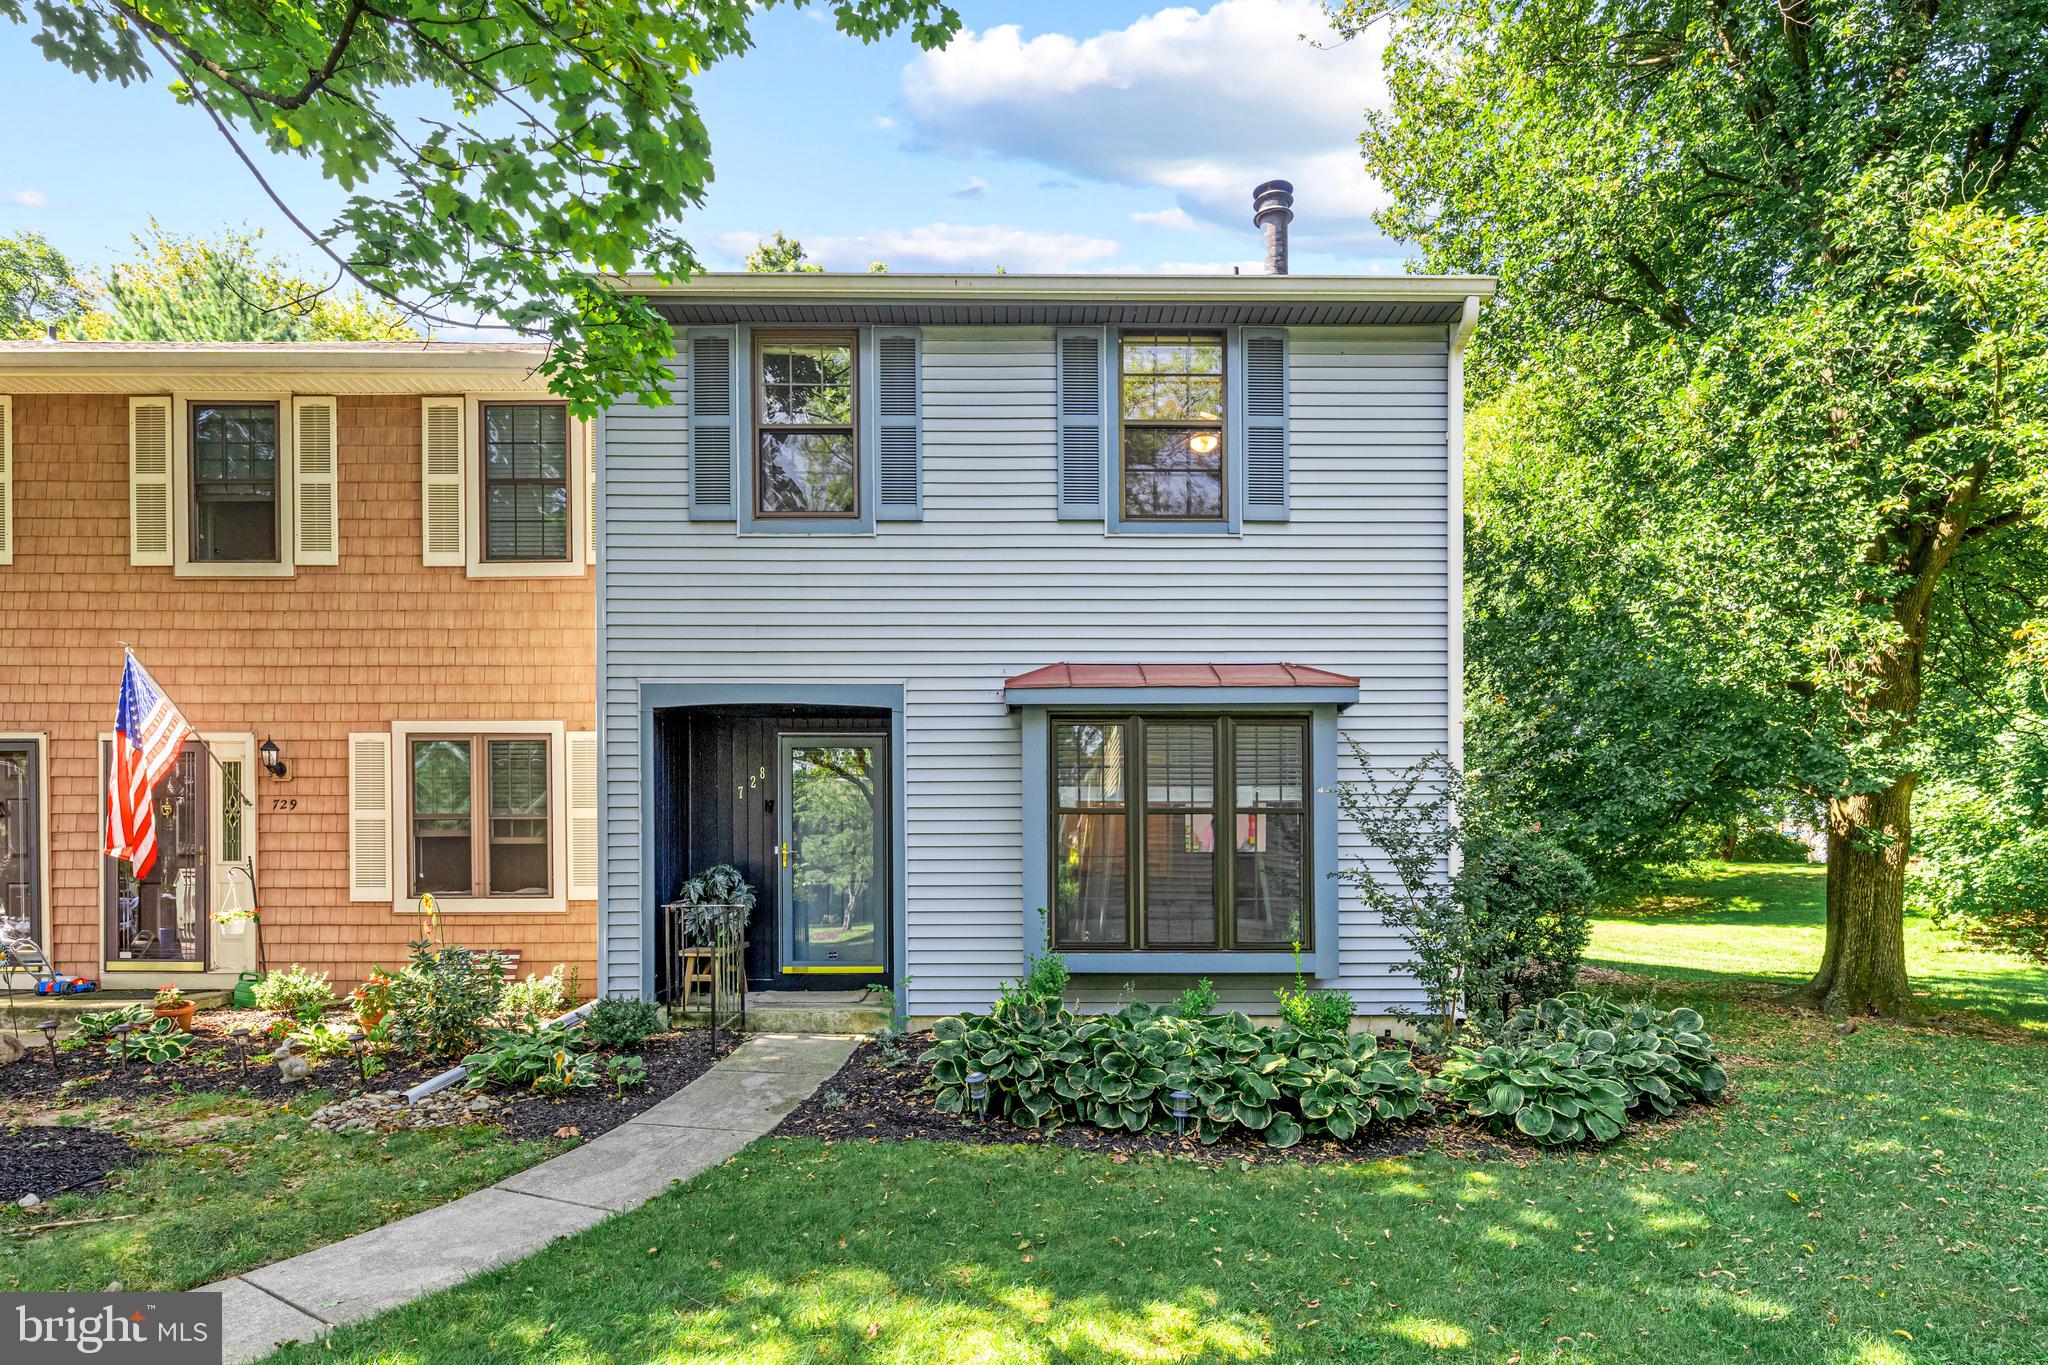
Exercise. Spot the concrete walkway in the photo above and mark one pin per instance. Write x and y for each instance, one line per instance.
(708, 1120)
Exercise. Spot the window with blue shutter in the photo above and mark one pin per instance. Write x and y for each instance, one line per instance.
(1083, 423)
(713, 387)
(898, 426)
(1265, 425)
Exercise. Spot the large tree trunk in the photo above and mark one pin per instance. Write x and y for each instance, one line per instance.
(1863, 966)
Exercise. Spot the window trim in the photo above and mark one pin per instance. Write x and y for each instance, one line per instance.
(1325, 894)
(1226, 470)
(38, 744)
(571, 466)
(581, 451)
(403, 733)
(282, 424)
(184, 488)
(855, 339)
(1223, 810)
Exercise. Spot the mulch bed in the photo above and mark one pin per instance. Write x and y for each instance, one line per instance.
(884, 1103)
(47, 1161)
(673, 1061)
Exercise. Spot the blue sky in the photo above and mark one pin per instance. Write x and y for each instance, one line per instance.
(1054, 135)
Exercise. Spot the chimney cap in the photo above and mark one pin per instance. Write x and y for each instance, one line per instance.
(1273, 197)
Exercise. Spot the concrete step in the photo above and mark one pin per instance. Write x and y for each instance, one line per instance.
(854, 1012)
(26, 1009)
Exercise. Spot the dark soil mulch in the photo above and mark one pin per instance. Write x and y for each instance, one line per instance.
(673, 1061)
(47, 1161)
(884, 1103)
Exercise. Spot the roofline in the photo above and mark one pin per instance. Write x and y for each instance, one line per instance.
(375, 358)
(848, 286)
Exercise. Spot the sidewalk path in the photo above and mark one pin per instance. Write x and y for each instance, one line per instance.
(708, 1120)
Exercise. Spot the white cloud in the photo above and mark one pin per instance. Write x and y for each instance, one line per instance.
(1204, 104)
(962, 247)
(26, 199)
(1176, 218)
(975, 188)
(885, 123)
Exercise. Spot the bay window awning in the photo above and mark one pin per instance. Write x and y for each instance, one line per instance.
(1140, 684)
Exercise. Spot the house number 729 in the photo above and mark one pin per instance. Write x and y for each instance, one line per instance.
(284, 803)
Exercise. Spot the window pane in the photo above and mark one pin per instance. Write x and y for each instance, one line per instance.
(809, 472)
(1269, 765)
(1180, 764)
(1172, 378)
(807, 382)
(1091, 881)
(441, 845)
(519, 817)
(20, 883)
(1268, 878)
(1173, 472)
(526, 481)
(1091, 764)
(234, 482)
(1180, 880)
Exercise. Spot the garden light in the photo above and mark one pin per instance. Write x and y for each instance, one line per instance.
(121, 1032)
(1182, 1104)
(977, 1090)
(49, 1028)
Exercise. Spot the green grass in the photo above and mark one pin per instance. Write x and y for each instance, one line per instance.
(1879, 1198)
(255, 1184)
(1745, 922)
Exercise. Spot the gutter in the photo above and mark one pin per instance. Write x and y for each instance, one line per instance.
(1070, 289)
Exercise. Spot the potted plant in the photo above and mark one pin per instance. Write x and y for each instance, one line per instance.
(372, 1000)
(172, 1004)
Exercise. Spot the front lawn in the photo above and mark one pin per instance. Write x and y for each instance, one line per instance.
(1763, 921)
(1878, 1197)
(234, 1183)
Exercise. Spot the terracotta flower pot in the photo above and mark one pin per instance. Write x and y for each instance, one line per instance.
(368, 1018)
(181, 1015)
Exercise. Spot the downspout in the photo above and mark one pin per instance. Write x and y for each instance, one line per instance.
(1454, 531)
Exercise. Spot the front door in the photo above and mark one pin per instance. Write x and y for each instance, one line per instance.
(833, 853)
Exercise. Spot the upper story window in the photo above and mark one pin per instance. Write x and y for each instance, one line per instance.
(234, 483)
(1170, 391)
(1178, 833)
(480, 817)
(526, 481)
(806, 451)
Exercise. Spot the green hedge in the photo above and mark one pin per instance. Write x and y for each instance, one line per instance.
(1046, 1067)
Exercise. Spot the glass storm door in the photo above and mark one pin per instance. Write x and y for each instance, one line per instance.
(833, 858)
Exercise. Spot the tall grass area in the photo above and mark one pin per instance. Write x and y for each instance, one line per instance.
(1751, 922)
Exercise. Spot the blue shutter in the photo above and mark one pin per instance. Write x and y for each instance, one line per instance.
(1265, 425)
(898, 425)
(714, 380)
(1083, 422)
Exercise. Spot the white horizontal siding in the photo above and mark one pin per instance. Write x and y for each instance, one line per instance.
(990, 583)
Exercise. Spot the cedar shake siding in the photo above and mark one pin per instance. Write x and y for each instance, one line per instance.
(305, 660)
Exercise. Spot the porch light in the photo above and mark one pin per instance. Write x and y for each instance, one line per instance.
(272, 764)
(1182, 1104)
(977, 1090)
(49, 1028)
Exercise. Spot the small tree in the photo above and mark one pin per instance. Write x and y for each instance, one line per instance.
(37, 287)
(780, 255)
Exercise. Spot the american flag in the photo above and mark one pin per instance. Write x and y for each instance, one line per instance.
(148, 733)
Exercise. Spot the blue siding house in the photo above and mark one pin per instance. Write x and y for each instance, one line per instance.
(974, 615)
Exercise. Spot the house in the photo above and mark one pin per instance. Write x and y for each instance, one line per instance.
(372, 560)
(971, 616)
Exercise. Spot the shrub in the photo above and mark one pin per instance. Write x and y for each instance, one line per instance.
(1527, 902)
(615, 1024)
(1197, 1001)
(1555, 1093)
(1311, 1010)
(1663, 1057)
(1047, 1067)
(1043, 987)
(98, 1026)
(322, 1041)
(537, 997)
(295, 992)
(525, 1059)
(442, 999)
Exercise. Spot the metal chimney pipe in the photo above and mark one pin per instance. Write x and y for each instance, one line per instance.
(1273, 210)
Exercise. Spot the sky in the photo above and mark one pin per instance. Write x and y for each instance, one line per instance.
(1051, 135)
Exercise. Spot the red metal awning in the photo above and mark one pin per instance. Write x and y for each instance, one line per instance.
(1177, 675)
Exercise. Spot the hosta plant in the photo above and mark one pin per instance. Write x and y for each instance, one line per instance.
(526, 1059)
(1664, 1057)
(99, 1025)
(162, 1041)
(1554, 1093)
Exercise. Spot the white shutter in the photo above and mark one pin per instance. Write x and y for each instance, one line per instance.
(316, 507)
(589, 430)
(6, 480)
(583, 876)
(441, 485)
(149, 481)
(369, 817)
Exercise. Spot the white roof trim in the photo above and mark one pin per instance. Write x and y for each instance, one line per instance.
(332, 367)
(863, 287)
